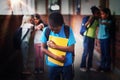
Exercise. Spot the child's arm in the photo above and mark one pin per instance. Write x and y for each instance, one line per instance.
(39, 27)
(106, 23)
(62, 48)
(47, 52)
(89, 21)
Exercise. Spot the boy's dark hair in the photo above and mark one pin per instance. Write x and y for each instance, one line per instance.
(94, 9)
(55, 19)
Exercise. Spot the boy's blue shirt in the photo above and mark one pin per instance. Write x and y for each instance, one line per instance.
(71, 41)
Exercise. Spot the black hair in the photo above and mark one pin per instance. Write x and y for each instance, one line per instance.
(55, 19)
(107, 11)
(39, 18)
(94, 9)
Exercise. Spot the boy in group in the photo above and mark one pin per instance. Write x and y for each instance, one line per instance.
(56, 27)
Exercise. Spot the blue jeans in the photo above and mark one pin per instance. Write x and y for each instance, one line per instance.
(105, 54)
(88, 45)
(24, 50)
(58, 73)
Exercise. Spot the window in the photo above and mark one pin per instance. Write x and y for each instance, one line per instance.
(17, 7)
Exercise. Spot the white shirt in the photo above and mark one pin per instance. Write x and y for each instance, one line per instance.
(37, 36)
(25, 27)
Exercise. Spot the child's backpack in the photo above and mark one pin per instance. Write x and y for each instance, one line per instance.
(17, 38)
(83, 27)
(67, 33)
(66, 30)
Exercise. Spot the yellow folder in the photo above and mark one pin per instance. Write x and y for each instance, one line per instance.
(61, 42)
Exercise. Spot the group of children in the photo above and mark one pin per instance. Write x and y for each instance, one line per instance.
(102, 22)
(34, 25)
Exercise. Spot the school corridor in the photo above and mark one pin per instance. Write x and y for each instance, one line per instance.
(90, 75)
(78, 75)
(73, 11)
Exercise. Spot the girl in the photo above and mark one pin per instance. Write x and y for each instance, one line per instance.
(39, 58)
(104, 38)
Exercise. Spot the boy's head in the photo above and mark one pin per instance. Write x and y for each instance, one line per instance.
(55, 21)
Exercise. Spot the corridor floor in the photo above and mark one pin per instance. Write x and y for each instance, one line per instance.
(78, 75)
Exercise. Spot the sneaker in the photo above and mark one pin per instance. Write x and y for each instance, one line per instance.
(92, 69)
(83, 69)
(41, 71)
(38, 71)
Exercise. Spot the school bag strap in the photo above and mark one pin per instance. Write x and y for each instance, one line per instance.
(47, 33)
(17, 38)
(66, 30)
(25, 35)
(84, 28)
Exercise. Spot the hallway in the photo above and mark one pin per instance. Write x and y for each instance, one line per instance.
(11, 14)
(78, 75)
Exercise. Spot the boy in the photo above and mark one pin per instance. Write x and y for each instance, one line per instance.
(56, 25)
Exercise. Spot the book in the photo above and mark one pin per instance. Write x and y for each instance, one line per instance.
(61, 42)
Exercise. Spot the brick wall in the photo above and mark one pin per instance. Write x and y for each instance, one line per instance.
(117, 43)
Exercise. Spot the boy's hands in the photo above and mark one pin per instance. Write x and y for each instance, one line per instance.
(51, 44)
(61, 58)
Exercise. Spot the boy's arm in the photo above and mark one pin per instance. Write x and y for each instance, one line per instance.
(69, 48)
(47, 52)
(61, 48)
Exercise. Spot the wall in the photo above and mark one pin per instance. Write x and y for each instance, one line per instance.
(113, 5)
(9, 24)
(9, 60)
(40, 6)
(117, 43)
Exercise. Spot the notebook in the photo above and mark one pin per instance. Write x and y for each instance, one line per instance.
(61, 42)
